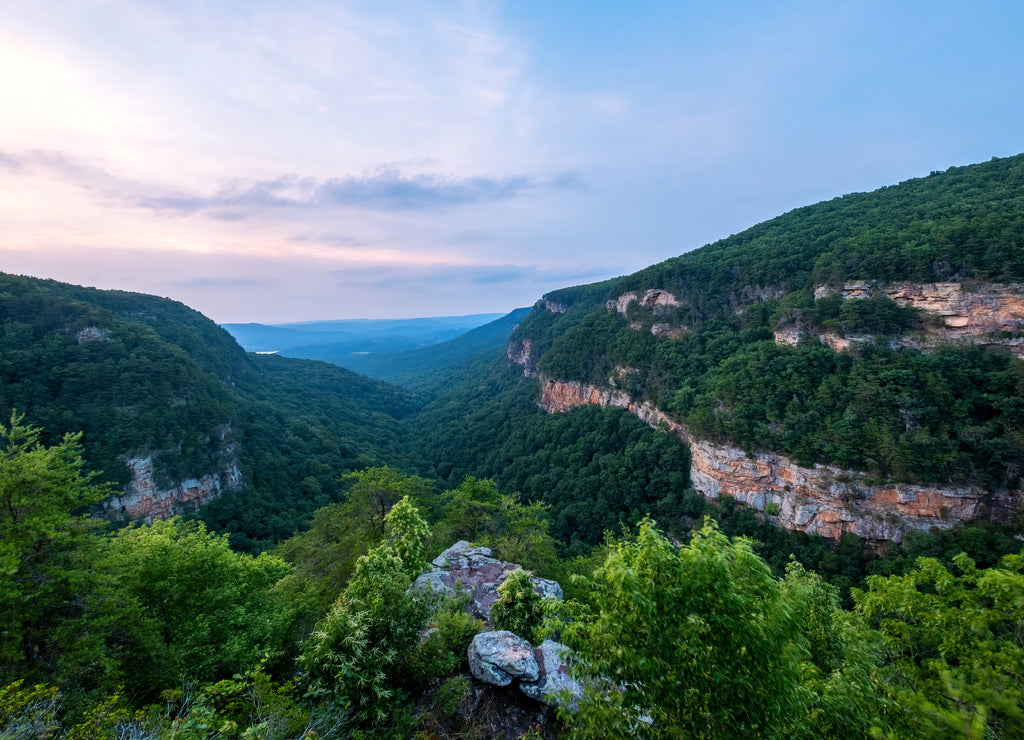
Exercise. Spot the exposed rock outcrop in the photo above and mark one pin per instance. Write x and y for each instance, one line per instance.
(826, 500)
(143, 499)
(977, 312)
(557, 395)
(657, 300)
(520, 352)
(463, 568)
(92, 334)
(553, 675)
(650, 299)
(821, 499)
(552, 306)
(500, 657)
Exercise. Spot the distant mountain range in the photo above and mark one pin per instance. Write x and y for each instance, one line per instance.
(315, 339)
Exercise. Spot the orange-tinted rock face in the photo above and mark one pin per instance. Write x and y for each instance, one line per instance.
(826, 500)
(987, 313)
(820, 500)
(562, 396)
(142, 499)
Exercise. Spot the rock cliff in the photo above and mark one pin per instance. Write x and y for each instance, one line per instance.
(144, 499)
(972, 312)
(826, 500)
(819, 500)
(520, 352)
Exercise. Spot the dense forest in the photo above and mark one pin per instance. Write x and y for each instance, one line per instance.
(283, 609)
(950, 416)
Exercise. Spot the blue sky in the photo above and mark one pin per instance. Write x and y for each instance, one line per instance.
(313, 160)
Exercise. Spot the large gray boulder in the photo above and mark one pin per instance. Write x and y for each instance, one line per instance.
(553, 676)
(499, 657)
(463, 568)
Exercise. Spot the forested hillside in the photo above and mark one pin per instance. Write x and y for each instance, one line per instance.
(142, 376)
(897, 406)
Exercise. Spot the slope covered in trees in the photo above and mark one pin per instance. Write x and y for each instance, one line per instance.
(951, 415)
(145, 376)
(161, 630)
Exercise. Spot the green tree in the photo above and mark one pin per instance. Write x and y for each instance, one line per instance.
(953, 644)
(325, 555)
(41, 489)
(358, 655)
(699, 642)
(172, 599)
(519, 608)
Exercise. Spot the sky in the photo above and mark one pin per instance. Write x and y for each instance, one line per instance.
(288, 161)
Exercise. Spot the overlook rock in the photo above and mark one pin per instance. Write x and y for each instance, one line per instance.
(463, 568)
(500, 657)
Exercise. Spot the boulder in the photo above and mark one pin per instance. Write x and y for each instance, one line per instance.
(500, 657)
(463, 568)
(553, 676)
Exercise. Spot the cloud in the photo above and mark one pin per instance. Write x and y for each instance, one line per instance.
(386, 188)
(462, 276)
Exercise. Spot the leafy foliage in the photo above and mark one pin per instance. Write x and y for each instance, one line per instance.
(41, 489)
(358, 654)
(953, 643)
(595, 468)
(702, 641)
(519, 607)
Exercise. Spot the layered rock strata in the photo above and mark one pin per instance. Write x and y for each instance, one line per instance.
(821, 499)
(826, 500)
(144, 499)
(559, 395)
(975, 312)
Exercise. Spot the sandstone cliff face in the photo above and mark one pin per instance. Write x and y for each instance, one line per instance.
(552, 306)
(564, 395)
(143, 499)
(818, 500)
(650, 299)
(826, 500)
(520, 353)
(979, 312)
(657, 300)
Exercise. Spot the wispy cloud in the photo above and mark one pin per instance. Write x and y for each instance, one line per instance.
(222, 283)
(386, 188)
(468, 275)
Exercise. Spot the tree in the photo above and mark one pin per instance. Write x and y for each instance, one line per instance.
(357, 656)
(175, 600)
(519, 607)
(325, 555)
(699, 642)
(953, 644)
(41, 489)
